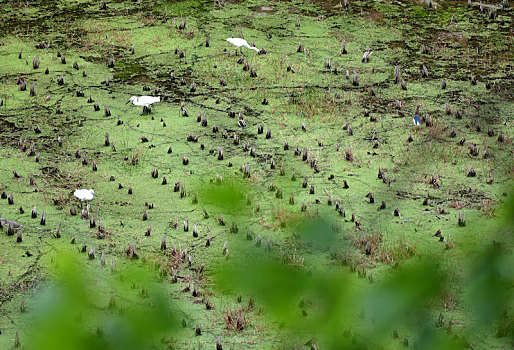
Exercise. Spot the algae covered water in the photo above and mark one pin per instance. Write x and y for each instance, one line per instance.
(280, 197)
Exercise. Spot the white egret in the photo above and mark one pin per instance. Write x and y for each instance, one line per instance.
(144, 100)
(84, 195)
(238, 43)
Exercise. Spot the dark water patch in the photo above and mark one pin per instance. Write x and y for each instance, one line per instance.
(53, 21)
(9, 131)
(398, 44)
(186, 7)
(330, 5)
(127, 71)
(373, 15)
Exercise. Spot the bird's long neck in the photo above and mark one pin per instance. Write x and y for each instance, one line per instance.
(417, 110)
(251, 47)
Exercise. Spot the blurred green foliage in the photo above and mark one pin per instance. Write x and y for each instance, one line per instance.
(227, 196)
(348, 315)
(72, 313)
(318, 232)
(325, 307)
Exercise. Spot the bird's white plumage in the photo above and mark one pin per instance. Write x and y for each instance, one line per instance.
(416, 120)
(238, 42)
(84, 195)
(144, 100)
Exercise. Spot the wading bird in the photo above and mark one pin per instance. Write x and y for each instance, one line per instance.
(84, 195)
(238, 43)
(144, 100)
(416, 118)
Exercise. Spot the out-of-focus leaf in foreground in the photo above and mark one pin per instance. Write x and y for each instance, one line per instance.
(405, 293)
(227, 196)
(278, 286)
(317, 231)
(71, 314)
(491, 278)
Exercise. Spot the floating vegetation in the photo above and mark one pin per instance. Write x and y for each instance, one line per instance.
(263, 138)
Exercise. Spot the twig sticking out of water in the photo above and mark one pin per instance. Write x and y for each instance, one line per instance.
(32, 92)
(424, 71)
(110, 63)
(462, 221)
(355, 81)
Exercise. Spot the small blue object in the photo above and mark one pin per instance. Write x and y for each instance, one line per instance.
(416, 120)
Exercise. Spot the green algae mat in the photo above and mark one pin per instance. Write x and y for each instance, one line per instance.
(279, 199)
